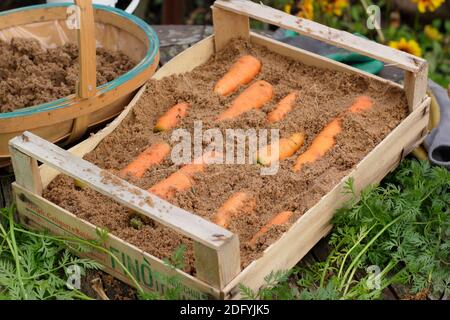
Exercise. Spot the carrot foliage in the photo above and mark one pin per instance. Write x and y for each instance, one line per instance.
(397, 233)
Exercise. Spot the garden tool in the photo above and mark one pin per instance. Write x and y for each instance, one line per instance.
(438, 141)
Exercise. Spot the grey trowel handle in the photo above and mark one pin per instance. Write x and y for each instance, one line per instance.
(438, 141)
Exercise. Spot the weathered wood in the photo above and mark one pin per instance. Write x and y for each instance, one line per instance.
(208, 261)
(217, 249)
(41, 214)
(416, 85)
(26, 170)
(119, 190)
(312, 59)
(317, 31)
(228, 25)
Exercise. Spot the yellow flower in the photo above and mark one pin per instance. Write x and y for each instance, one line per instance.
(334, 6)
(433, 33)
(428, 5)
(409, 46)
(287, 8)
(306, 9)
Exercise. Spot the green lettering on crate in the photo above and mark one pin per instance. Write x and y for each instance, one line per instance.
(134, 270)
(115, 252)
(148, 281)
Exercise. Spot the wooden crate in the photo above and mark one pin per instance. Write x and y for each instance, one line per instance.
(216, 250)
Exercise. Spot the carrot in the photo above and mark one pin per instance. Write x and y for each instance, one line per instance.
(283, 108)
(254, 97)
(242, 72)
(171, 118)
(181, 180)
(240, 202)
(278, 220)
(151, 156)
(362, 103)
(325, 140)
(287, 148)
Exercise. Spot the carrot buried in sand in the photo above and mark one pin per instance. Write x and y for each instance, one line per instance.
(151, 156)
(171, 118)
(238, 203)
(280, 219)
(283, 108)
(287, 147)
(325, 140)
(242, 72)
(254, 97)
(181, 180)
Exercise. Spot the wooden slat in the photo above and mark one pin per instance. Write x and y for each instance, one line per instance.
(87, 50)
(227, 260)
(41, 214)
(26, 171)
(312, 59)
(317, 31)
(228, 25)
(123, 192)
(416, 85)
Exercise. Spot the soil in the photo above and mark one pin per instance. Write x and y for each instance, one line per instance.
(31, 75)
(324, 94)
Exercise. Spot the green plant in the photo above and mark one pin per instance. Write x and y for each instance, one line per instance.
(401, 227)
(34, 265)
(172, 283)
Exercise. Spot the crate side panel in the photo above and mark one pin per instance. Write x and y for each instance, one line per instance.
(150, 272)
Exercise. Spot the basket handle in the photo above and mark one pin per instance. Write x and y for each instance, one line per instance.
(231, 19)
(87, 83)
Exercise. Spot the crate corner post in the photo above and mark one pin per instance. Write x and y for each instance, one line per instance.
(218, 266)
(229, 25)
(26, 168)
(415, 85)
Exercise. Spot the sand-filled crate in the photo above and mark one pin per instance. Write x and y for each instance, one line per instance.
(360, 126)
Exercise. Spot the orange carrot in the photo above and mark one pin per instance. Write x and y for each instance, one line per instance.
(151, 156)
(287, 148)
(171, 118)
(283, 108)
(254, 97)
(242, 72)
(325, 140)
(362, 103)
(181, 180)
(278, 220)
(240, 202)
